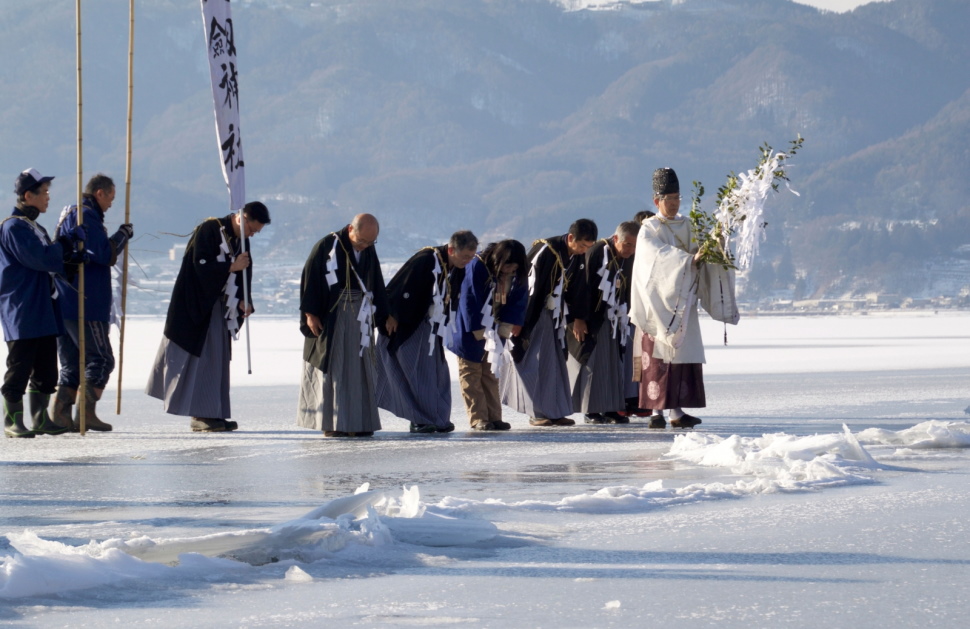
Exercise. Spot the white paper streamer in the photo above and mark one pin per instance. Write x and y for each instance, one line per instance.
(331, 276)
(231, 302)
(366, 315)
(441, 321)
(367, 309)
(498, 357)
(554, 301)
(607, 290)
(746, 220)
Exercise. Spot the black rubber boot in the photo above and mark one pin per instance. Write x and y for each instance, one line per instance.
(63, 401)
(91, 419)
(13, 420)
(43, 424)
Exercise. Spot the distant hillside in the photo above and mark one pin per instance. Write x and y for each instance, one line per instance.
(514, 117)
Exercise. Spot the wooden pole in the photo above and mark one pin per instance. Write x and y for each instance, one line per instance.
(124, 264)
(81, 394)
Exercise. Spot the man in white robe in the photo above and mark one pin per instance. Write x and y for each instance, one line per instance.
(668, 281)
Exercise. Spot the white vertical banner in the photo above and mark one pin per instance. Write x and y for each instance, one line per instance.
(221, 50)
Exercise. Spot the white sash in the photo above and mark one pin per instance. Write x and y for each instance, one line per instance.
(231, 302)
(554, 301)
(442, 323)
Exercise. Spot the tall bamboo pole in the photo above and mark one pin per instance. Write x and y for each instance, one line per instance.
(81, 393)
(124, 265)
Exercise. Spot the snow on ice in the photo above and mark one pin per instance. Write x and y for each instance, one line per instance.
(569, 526)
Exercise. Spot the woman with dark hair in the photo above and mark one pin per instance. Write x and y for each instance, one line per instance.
(491, 308)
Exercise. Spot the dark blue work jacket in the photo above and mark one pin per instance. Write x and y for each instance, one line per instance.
(97, 272)
(27, 259)
(475, 289)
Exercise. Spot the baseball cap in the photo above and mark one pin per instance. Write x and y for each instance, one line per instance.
(28, 180)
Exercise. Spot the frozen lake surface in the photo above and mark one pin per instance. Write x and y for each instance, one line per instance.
(827, 486)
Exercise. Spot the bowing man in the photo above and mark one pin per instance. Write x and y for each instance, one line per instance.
(413, 381)
(538, 385)
(342, 299)
(595, 363)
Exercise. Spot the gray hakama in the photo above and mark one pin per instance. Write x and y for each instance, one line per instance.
(410, 383)
(539, 385)
(598, 385)
(194, 386)
(342, 399)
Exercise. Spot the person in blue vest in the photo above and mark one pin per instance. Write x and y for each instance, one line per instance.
(99, 360)
(29, 314)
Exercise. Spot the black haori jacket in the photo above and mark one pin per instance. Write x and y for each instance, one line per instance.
(547, 273)
(320, 299)
(587, 298)
(201, 282)
(410, 293)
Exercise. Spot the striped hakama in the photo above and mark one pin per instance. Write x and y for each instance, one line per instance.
(410, 383)
(342, 399)
(195, 386)
(670, 385)
(598, 385)
(539, 385)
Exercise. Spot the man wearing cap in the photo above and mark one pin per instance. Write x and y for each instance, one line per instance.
(29, 315)
(668, 282)
(99, 360)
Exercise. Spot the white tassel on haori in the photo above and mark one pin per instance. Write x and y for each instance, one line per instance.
(366, 315)
(532, 272)
(442, 323)
(231, 302)
(559, 311)
(617, 315)
(331, 276)
(553, 301)
(494, 347)
(367, 309)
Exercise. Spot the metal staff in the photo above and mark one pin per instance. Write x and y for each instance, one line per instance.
(82, 393)
(242, 246)
(124, 265)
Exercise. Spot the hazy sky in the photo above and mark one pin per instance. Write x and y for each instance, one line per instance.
(837, 5)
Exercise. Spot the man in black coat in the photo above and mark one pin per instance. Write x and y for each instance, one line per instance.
(538, 385)
(191, 372)
(342, 298)
(413, 381)
(597, 341)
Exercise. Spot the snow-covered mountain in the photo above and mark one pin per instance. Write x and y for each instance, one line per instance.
(514, 117)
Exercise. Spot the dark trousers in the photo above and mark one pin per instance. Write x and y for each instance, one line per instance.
(31, 361)
(99, 361)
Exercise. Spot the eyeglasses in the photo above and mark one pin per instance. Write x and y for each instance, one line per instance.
(254, 227)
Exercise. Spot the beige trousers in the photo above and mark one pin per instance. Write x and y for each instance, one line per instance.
(479, 389)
